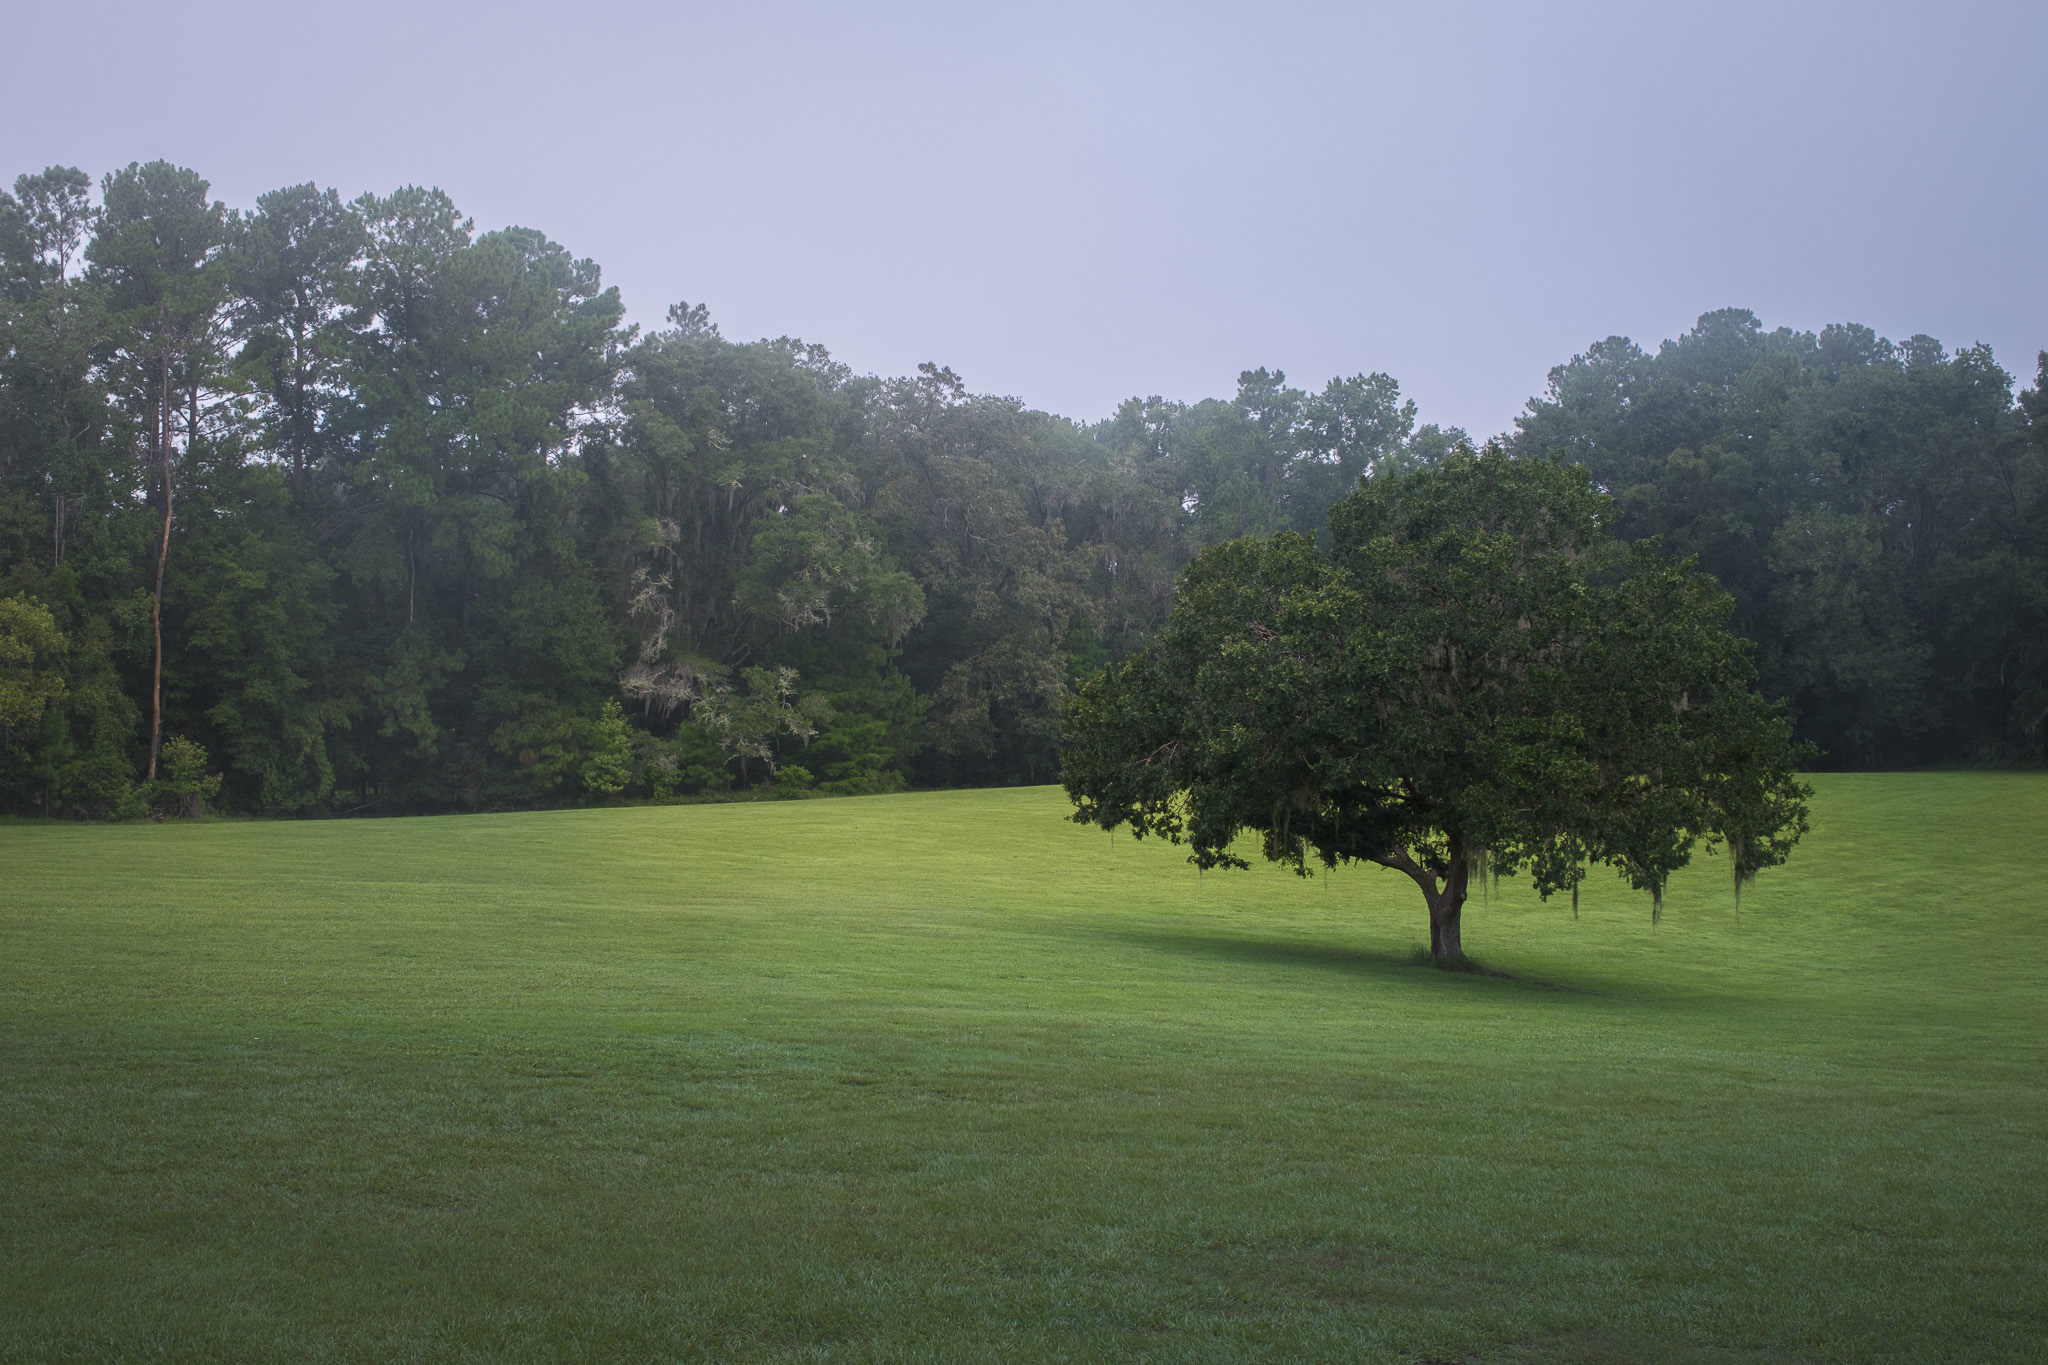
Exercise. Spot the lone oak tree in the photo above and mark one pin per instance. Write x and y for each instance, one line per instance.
(1474, 676)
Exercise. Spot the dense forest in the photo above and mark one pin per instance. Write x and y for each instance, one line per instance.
(338, 507)
(1878, 511)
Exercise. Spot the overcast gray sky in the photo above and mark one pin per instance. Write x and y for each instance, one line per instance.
(1075, 204)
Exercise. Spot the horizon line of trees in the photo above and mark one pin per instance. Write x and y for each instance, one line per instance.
(352, 507)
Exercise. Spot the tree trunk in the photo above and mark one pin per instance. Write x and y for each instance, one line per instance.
(1446, 900)
(1447, 908)
(298, 409)
(163, 553)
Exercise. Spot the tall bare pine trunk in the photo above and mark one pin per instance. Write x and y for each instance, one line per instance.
(163, 554)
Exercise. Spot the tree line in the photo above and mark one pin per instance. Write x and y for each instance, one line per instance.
(1878, 512)
(331, 506)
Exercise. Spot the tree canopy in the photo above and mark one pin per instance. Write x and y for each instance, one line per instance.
(384, 512)
(1877, 511)
(1473, 676)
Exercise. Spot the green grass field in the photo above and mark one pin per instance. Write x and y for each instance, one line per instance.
(940, 1077)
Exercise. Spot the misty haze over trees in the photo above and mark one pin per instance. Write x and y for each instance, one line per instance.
(386, 514)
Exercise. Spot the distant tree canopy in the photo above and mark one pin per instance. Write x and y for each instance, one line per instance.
(384, 513)
(1471, 675)
(1878, 512)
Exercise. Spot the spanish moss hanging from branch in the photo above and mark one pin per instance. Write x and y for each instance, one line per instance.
(1745, 872)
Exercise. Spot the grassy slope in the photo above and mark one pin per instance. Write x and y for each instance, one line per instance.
(939, 1077)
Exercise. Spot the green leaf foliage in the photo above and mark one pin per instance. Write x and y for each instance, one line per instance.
(1473, 673)
(1877, 512)
(385, 512)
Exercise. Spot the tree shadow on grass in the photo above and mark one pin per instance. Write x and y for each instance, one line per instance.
(1598, 1348)
(1390, 967)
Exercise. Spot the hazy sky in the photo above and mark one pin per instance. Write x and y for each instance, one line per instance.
(1080, 203)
